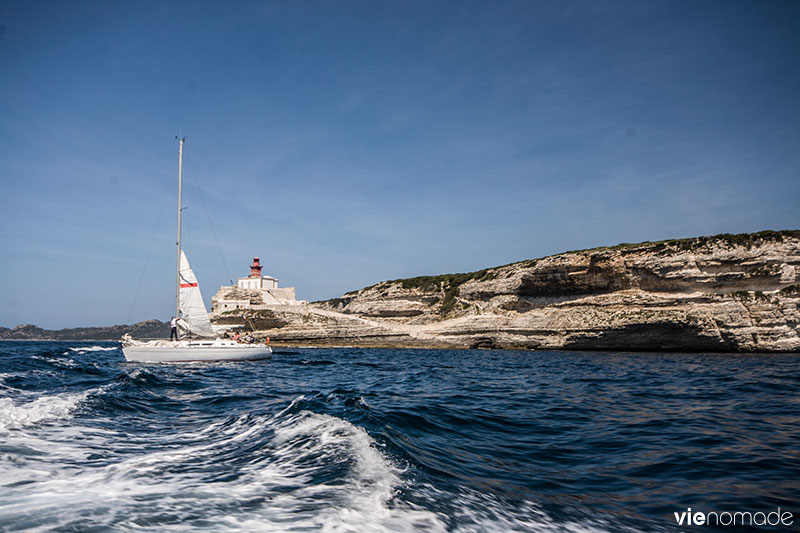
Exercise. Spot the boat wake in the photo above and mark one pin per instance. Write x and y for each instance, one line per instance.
(294, 471)
(329, 440)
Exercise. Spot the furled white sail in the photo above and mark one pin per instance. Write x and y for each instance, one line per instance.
(194, 315)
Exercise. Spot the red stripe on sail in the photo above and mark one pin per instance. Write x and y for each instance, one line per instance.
(184, 285)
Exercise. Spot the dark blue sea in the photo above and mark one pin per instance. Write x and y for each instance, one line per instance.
(393, 440)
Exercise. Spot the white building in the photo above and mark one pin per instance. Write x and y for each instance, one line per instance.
(256, 292)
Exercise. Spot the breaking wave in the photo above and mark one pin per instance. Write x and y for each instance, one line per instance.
(23, 414)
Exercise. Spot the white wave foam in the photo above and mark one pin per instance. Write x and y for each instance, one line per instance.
(45, 408)
(309, 434)
(138, 371)
(83, 349)
(306, 446)
(479, 512)
(65, 362)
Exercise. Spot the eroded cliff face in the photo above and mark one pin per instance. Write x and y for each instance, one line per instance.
(722, 293)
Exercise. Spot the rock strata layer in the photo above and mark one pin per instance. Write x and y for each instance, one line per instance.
(727, 293)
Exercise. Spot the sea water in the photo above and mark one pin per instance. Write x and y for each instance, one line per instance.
(393, 440)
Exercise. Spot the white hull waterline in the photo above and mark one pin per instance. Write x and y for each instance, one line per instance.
(193, 351)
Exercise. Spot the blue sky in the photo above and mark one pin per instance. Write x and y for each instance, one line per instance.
(350, 142)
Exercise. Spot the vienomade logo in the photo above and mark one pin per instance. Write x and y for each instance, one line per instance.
(738, 518)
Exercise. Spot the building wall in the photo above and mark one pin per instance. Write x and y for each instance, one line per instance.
(257, 283)
(220, 306)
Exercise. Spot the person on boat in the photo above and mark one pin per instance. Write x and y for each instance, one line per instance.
(249, 339)
(236, 336)
(173, 329)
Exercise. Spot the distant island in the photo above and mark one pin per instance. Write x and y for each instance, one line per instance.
(146, 329)
(723, 293)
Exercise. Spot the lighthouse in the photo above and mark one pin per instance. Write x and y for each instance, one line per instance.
(256, 280)
(255, 268)
(255, 292)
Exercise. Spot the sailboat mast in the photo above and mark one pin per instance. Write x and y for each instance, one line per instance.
(178, 267)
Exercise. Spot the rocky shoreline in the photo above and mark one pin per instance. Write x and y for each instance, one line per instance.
(725, 293)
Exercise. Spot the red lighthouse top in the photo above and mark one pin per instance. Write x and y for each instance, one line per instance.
(255, 268)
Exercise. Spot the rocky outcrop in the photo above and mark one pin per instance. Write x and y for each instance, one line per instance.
(720, 293)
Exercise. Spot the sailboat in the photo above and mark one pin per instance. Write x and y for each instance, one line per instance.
(193, 319)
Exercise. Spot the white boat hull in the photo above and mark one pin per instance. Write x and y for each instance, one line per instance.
(194, 352)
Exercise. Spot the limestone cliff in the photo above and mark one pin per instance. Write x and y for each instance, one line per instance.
(720, 293)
